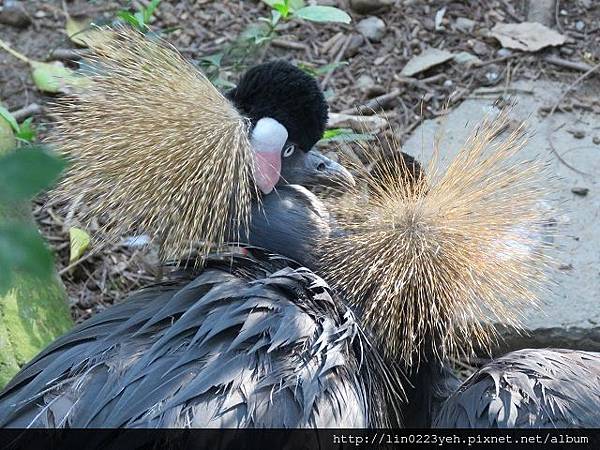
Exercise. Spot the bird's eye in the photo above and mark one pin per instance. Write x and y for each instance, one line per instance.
(289, 151)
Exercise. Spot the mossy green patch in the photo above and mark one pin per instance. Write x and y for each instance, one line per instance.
(32, 314)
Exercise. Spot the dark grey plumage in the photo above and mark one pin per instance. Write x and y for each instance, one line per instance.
(251, 342)
(290, 221)
(531, 388)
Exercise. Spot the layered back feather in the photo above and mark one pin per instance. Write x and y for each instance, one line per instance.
(153, 145)
(433, 261)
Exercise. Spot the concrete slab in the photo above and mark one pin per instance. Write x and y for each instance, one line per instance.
(571, 315)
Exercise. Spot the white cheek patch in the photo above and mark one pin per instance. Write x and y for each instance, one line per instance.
(268, 134)
(267, 139)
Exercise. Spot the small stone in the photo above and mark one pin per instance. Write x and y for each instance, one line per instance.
(581, 191)
(428, 24)
(596, 140)
(503, 52)
(356, 43)
(579, 25)
(577, 134)
(368, 86)
(374, 91)
(185, 40)
(373, 28)
(479, 48)
(169, 19)
(364, 82)
(380, 60)
(368, 6)
(466, 58)
(465, 25)
(492, 77)
(39, 14)
(567, 50)
(14, 15)
(489, 75)
(448, 83)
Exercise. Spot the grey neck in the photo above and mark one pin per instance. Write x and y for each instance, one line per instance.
(289, 221)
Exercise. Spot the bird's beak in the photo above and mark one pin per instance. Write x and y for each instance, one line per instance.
(320, 171)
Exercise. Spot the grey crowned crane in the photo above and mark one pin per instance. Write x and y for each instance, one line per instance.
(251, 338)
(433, 264)
(529, 388)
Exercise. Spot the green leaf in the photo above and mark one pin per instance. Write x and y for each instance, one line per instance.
(54, 77)
(26, 132)
(295, 5)
(213, 60)
(275, 18)
(141, 23)
(282, 9)
(327, 68)
(323, 70)
(6, 115)
(323, 14)
(129, 18)
(333, 132)
(150, 10)
(33, 313)
(80, 242)
(308, 69)
(292, 5)
(344, 135)
(25, 172)
(22, 249)
(257, 31)
(223, 83)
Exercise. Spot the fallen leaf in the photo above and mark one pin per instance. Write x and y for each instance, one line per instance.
(50, 77)
(54, 77)
(80, 242)
(323, 14)
(363, 124)
(76, 29)
(83, 32)
(429, 58)
(7, 136)
(439, 17)
(526, 36)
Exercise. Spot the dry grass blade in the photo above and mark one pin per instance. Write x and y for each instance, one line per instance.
(434, 262)
(154, 146)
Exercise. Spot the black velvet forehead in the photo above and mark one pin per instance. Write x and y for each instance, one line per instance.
(285, 93)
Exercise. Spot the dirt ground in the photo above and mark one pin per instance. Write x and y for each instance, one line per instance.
(370, 76)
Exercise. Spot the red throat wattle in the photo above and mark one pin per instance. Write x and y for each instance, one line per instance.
(267, 169)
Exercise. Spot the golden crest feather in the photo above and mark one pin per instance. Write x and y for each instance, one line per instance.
(435, 262)
(154, 147)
